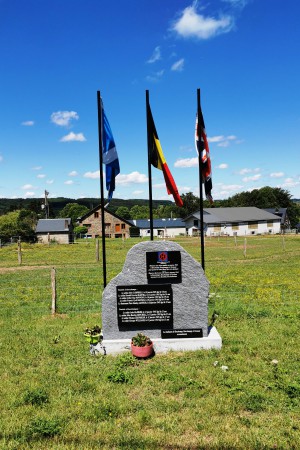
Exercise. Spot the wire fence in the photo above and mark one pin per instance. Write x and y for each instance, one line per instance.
(267, 281)
(76, 291)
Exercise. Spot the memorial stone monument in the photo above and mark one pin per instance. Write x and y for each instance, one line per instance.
(163, 292)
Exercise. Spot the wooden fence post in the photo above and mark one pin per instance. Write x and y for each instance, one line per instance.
(19, 252)
(245, 247)
(53, 285)
(97, 250)
(283, 241)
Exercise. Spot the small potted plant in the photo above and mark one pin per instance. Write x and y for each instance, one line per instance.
(141, 346)
(93, 335)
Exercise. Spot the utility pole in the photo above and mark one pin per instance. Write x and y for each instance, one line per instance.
(46, 204)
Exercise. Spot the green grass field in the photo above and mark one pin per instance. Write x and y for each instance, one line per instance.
(55, 395)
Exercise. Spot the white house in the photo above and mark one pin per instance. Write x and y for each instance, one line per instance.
(233, 222)
(165, 228)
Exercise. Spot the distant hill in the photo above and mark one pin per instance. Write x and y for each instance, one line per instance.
(57, 204)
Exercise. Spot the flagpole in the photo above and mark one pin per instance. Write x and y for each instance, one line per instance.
(199, 132)
(101, 185)
(149, 167)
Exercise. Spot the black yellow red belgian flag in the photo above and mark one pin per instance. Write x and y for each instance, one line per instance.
(158, 160)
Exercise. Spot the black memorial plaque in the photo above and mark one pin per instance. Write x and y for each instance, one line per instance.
(163, 267)
(144, 306)
(182, 334)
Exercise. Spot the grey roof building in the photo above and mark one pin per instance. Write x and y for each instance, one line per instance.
(282, 213)
(161, 227)
(58, 230)
(234, 221)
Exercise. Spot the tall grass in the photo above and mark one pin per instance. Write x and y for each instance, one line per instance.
(55, 395)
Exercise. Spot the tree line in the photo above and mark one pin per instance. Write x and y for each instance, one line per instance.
(22, 216)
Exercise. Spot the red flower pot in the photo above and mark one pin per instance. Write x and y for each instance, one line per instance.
(142, 352)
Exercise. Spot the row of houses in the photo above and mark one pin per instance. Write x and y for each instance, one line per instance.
(217, 222)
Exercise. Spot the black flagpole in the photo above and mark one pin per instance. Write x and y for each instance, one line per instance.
(149, 140)
(199, 132)
(101, 185)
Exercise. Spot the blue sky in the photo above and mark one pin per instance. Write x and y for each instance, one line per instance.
(55, 55)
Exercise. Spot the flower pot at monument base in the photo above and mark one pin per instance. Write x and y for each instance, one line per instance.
(142, 352)
(141, 346)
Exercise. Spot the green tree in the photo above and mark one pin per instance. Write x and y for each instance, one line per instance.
(80, 230)
(191, 203)
(267, 197)
(123, 212)
(74, 211)
(18, 224)
(139, 212)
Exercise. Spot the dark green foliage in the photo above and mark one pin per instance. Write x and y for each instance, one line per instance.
(35, 397)
(80, 230)
(134, 231)
(119, 376)
(43, 428)
(190, 204)
(254, 402)
(18, 224)
(292, 390)
(123, 212)
(74, 211)
(126, 360)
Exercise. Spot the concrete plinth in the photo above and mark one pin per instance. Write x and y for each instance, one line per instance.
(212, 340)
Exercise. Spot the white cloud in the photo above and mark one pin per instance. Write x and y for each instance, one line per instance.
(64, 118)
(155, 77)
(1, 158)
(178, 65)
(92, 175)
(73, 173)
(237, 3)
(222, 166)
(79, 137)
(222, 141)
(230, 187)
(27, 186)
(137, 192)
(290, 183)
(193, 25)
(28, 123)
(131, 178)
(41, 175)
(50, 181)
(156, 55)
(125, 179)
(252, 178)
(224, 190)
(215, 139)
(252, 188)
(186, 162)
(29, 194)
(246, 170)
(69, 182)
(184, 189)
(277, 174)
(159, 185)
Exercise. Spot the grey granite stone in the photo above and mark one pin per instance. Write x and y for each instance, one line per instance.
(190, 297)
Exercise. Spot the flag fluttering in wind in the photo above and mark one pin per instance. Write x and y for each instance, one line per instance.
(203, 152)
(158, 160)
(110, 156)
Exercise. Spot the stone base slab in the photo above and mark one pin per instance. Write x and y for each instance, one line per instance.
(213, 340)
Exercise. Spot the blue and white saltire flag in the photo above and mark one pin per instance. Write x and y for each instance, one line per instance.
(110, 156)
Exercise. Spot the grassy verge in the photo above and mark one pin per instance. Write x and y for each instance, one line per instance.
(55, 395)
